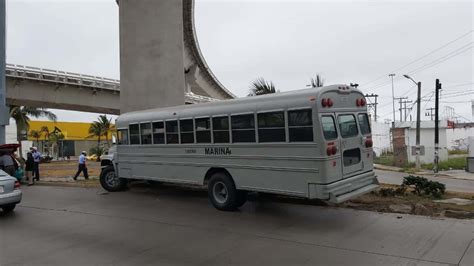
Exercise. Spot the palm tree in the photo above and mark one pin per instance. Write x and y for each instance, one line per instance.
(106, 126)
(96, 130)
(36, 134)
(317, 82)
(260, 86)
(21, 115)
(45, 130)
(56, 137)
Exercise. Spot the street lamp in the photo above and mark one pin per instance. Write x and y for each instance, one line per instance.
(418, 120)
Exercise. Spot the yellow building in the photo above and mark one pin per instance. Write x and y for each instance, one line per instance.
(76, 137)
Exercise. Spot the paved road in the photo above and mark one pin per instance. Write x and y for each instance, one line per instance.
(459, 185)
(171, 226)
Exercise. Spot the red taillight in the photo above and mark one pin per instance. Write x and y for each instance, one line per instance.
(369, 143)
(330, 103)
(324, 102)
(360, 102)
(17, 185)
(331, 150)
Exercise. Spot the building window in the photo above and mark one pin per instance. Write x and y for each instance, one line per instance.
(364, 124)
(145, 133)
(329, 127)
(243, 128)
(158, 133)
(203, 130)
(300, 125)
(172, 136)
(347, 126)
(187, 131)
(271, 127)
(220, 129)
(122, 135)
(134, 134)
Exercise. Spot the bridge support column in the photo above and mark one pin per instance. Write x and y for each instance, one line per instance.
(151, 54)
(4, 113)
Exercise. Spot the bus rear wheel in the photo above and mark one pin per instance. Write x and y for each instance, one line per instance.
(110, 181)
(222, 192)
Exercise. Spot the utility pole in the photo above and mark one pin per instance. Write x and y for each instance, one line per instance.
(393, 100)
(3, 91)
(431, 113)
(405, 109)
(373, 105)
(418, 125)
(400, 101)
(436, 159)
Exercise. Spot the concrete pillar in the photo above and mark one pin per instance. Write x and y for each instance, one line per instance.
(4, 113)
(151, 54)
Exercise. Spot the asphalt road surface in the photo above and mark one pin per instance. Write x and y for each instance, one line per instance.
(452, 184)
(176, 226)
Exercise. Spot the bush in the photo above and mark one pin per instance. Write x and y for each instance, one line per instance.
(422, 186)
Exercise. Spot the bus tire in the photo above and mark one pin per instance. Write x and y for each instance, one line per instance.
(222, 192)
(241, 198)
(110, 181)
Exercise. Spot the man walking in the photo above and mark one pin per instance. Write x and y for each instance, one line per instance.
(82, 166)
(36, 160)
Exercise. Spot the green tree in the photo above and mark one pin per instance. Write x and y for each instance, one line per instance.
(36, 134)
(45, 130)
(317, 81)
(56, 137)
(106, 125)
(22, 114)
(260, 86)
(96, 130)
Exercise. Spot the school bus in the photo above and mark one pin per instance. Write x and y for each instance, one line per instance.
(313, 143)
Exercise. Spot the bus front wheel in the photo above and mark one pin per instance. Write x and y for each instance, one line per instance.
(110, 181)
(222, 192)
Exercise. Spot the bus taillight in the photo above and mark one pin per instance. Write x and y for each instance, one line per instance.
(331, 150)
(369, 143)
(360, 102)
(326, 102)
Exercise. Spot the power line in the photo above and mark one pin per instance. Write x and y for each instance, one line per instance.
(424, 56)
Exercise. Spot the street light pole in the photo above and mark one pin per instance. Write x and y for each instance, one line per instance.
(418, 122)
(393, 100)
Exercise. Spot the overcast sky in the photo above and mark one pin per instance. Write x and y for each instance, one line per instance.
(286, 42)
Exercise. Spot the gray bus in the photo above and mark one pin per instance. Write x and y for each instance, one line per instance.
(313, 143)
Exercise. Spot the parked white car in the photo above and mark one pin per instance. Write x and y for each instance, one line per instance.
(10, 193)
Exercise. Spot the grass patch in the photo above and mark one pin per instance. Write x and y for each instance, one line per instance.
(458, 163)
(456, 152)
(385, 160)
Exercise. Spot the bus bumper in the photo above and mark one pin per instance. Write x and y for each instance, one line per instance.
(345, 189)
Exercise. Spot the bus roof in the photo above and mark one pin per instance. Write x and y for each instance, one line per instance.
(275, 101)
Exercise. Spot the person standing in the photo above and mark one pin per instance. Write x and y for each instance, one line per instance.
(82, 166)
(29, 166)
(36, 160)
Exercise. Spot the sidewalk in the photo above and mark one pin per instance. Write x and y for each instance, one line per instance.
(456, 174)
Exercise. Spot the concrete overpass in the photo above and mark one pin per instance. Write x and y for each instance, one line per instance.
(39, 87)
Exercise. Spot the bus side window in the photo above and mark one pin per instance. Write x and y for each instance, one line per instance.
(172, 136)
(364, 124)
(300, 125)
(203, 130)
(243, 128)
(158, 133)
(187, 131)
(145, 129)
(271, 127)
(329, 127)
(134, 134)
(122, 135)
(220, 129)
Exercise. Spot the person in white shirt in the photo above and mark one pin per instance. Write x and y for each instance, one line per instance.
(36, 158)
(82, 166)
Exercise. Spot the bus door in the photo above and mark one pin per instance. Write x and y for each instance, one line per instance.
(351, 144)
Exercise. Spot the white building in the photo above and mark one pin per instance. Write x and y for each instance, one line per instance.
(427, 134)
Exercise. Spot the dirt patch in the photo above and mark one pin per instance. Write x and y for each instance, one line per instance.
(63, 169)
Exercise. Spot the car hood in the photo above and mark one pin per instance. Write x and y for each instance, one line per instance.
(4, 176)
